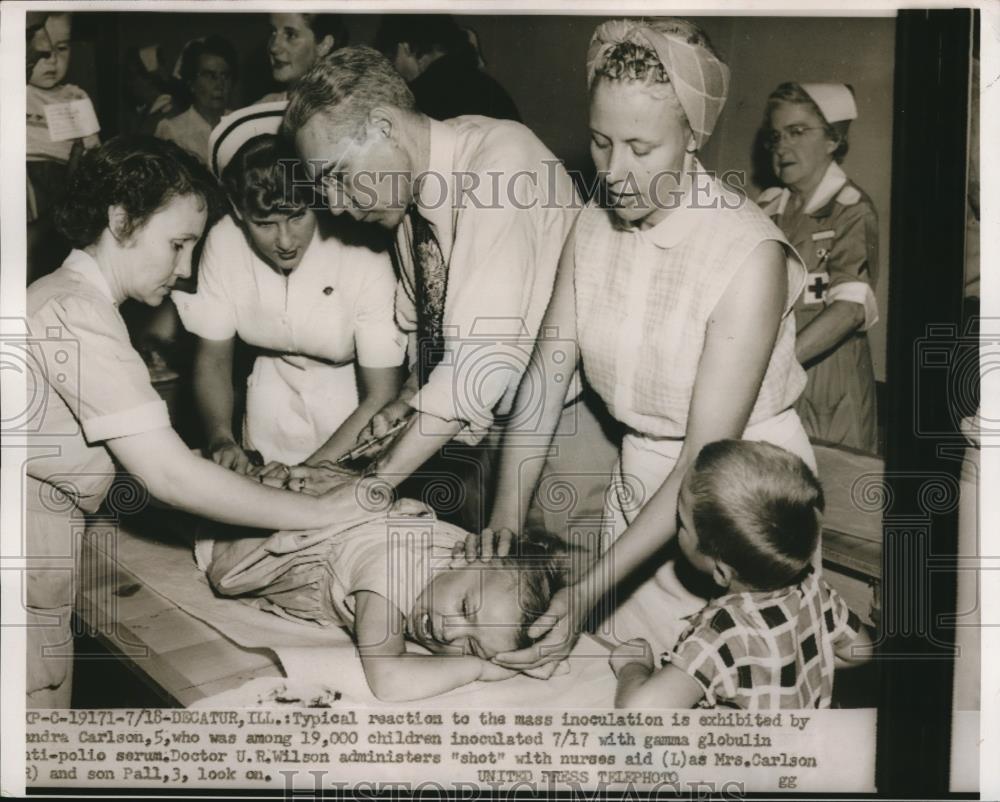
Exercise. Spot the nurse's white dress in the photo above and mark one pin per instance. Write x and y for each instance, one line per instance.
(335, 307)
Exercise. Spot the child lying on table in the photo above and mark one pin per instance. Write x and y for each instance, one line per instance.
(750, 517)
(386, 579)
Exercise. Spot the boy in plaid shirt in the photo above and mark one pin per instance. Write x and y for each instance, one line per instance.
(749, 516)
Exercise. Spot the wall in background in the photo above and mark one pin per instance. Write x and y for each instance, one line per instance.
(541, 62)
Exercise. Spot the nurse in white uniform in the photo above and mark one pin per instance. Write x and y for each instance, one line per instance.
(320, 311)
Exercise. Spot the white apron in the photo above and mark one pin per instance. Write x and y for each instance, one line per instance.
(294, 404)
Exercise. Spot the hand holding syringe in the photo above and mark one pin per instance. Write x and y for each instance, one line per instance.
(324, 475)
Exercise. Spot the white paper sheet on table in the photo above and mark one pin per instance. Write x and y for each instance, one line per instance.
(318, 658)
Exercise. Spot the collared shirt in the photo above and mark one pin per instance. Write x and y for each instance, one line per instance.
(189, 130)
(89, 384)
(836, 233)
(501, 206)
(336, 305)
(644, 299)
(768, 651)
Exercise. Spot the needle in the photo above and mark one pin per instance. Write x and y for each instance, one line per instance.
(357, 451)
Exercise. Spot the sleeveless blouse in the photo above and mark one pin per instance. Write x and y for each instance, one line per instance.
(644, 298)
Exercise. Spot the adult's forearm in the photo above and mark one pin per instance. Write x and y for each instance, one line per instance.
(652, 529)
(527, 440)
(346, 436)
(418, 442)
(214, 398)
(199, 486)
(827, 330)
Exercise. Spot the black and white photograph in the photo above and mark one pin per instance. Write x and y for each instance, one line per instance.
(499, 399)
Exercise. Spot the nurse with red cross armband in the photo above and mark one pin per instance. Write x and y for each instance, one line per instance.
(833, 225)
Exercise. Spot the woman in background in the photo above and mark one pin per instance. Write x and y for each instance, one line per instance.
(320, 310)
(208, 69)
(137, 206)
(297, 41)
(832, 223)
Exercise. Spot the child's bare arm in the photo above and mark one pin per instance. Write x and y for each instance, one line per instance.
(392, 674)
(640, 685)
(854, 651)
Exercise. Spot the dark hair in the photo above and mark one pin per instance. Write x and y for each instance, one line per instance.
(259, 179)
(211, 45)
(424, 33)
(323, 25)
(791, 92)
(139, 173)
(757, 508)
(539, 574)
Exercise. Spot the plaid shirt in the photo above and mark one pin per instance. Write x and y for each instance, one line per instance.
(768, 651)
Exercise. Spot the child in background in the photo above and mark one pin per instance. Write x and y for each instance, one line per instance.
(48, 160)
(749, 516)
(388, 580)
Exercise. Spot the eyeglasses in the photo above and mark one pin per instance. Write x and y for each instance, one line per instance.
(793, 133)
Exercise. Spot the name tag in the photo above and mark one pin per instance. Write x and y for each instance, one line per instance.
(816, 287)
(821, 235)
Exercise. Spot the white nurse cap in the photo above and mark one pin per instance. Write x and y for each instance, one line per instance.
(236, 129)
(836, 101)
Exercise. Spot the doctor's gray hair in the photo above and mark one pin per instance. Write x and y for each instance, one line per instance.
(346, 86)
(791, 92)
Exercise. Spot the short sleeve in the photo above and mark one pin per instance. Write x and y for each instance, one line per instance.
(101, 378)
(704, 652)
(209, 312)
(842, 624)
(853, 260)
(378, 341)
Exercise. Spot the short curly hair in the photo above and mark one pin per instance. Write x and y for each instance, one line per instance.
(137, 172)
(791, 92)
(633, 62)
